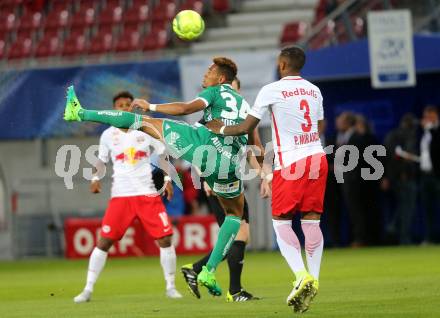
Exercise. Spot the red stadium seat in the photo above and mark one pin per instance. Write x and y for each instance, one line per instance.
(165, 11)
(8, 21)
(84, 17)
(60, 5)
(137, 14)
(2, 49)
(342, 34)
(48, 47)
(292, 32)
(22, 48)
(57, 19)
(75, 45)
(155, 40)
(112, 4)
(101, 44)
(128, 43)
(324, 37)
(31, 20)
(221, 5)
(111, 15)
(25, 34)
(196, 5)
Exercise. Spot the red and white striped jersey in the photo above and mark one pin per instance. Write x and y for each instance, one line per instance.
(295, 105)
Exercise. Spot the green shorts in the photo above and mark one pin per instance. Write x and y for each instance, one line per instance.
(217, 157)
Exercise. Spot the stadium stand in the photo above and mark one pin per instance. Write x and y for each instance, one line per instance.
(72, 28)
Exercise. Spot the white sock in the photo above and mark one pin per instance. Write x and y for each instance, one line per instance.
(168, 262)
(314, 245)
(96, 264)
(289, 245)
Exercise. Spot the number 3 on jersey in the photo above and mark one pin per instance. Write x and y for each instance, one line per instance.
(304, 105)
(231, 103)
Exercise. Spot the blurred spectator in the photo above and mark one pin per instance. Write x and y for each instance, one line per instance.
(430, 169)
(332, 198)
(368, 189)
(401, 176)
(346, 127)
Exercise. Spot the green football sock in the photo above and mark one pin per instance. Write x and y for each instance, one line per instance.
(114, 118)
(226, 236)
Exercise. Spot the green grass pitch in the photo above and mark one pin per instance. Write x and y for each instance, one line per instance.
(373, 282)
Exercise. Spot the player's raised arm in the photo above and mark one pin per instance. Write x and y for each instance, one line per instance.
(175, 109)
(245, 127)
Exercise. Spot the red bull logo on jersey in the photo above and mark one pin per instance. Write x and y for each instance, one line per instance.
(300, 92)
(131, 156)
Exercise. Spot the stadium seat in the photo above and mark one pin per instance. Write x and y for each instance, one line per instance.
(21, 48)
(137, 14)
(128, 43)
(342, 34)
(155, 40)
(31, 20)
(113, 3)
(24, 34)
(75, 45)
(324, 37)
(49, 46)
(165, 11)
(76, 42)
(102, 41)
(196, 5)
(86, 16)
(101, 44)
(8, 21)
(2, 49)
(57, 19)
(320, 10)
(221, 6)
(60, 5)
(111, 15)
(292, 32)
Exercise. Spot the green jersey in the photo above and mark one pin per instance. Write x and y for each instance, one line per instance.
(217, 157)
(226, 104)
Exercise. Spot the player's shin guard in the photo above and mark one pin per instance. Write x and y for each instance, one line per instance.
(96, 264)
(235, 263)
(289, 245)
(228, 232)
(168, 262)
(314, 244)
(114, 118)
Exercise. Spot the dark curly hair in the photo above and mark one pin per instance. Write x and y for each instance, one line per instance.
(227, 67)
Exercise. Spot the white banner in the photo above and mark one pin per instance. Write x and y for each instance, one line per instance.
(391, 49)
(255, 69)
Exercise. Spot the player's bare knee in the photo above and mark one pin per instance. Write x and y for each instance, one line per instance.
(311, 216)
(152, 127)
(104, 244)
(164, 241)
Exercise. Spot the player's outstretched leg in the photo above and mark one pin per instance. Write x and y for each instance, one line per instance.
(116, 118)
(233, 208)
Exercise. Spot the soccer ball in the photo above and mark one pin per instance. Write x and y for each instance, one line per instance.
(188, 25)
